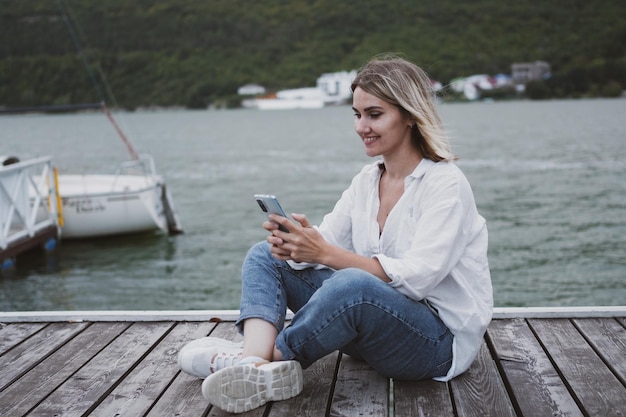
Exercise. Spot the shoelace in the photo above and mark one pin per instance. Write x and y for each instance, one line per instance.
(222, 360)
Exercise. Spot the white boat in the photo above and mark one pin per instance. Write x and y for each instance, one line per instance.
(132, 200)
(287, 104)
(104, 205)
(298, 98)
(331, 89)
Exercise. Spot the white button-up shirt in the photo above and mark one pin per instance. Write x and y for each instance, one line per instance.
(433, 247)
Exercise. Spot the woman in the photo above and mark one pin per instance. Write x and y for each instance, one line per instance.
(396, 275)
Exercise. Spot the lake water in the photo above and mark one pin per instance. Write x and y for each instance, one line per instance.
(549, 177)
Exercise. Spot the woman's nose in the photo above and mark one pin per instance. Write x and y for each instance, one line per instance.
(361, 125)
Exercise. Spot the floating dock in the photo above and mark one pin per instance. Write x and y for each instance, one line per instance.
(29, 207)
(533, 362)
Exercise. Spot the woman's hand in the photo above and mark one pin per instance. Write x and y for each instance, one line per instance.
(303, 243)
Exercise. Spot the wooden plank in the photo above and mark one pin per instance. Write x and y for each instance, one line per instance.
(608, 338)
(536, 386)
(226, 330)
(598, 391)
(27, 243)
(183, 398)
(314, 399)
(13, 334)
(25, 356)
(422, 398)
(40, 381)
(558, 312)
(120, 315)
(359, 390)
(480, 392)
(140, 389)
(232, 315)
(86, 388)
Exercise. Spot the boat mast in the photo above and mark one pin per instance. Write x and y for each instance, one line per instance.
(94, 82)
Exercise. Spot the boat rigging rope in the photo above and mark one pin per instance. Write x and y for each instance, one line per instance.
(131, 150)
(83, 56)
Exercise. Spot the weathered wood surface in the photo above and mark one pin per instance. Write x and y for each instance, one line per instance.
(526, 367)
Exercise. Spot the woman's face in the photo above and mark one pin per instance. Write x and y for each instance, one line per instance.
(383, 128)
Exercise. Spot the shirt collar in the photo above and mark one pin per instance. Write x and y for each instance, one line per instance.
(419, 171)
(421, 168)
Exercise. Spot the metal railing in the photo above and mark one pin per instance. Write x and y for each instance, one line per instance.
(29, 201)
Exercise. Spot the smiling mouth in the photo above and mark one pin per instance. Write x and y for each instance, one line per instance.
(369, 140)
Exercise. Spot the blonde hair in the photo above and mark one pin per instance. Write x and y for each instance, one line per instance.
(408, 87)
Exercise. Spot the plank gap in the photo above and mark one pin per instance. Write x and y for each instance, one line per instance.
(455, 411)
(333, 384)
(503, 375)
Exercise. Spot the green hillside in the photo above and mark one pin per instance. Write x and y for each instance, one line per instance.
(193, 52)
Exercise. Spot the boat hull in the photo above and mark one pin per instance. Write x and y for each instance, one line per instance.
(104, 205)
(288, 104)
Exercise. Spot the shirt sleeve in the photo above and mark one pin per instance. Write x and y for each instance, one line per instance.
(336, 226)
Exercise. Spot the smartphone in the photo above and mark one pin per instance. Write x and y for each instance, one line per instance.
(270, 205)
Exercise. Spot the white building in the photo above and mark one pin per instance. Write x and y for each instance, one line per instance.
(523, 72)
(332, 88)
(336, 86)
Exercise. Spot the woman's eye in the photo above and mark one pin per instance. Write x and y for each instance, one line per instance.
(375, 115)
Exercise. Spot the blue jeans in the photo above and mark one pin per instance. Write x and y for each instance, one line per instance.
(349, 310)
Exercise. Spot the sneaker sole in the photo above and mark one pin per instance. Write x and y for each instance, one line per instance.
(242, 388)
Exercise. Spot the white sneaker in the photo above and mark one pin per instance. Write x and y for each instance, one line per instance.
(241, 388)
(202, 357)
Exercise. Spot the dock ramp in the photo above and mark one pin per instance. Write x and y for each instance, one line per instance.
(29, 206)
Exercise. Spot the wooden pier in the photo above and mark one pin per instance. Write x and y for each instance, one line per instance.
(533, 362)
(29, 208)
